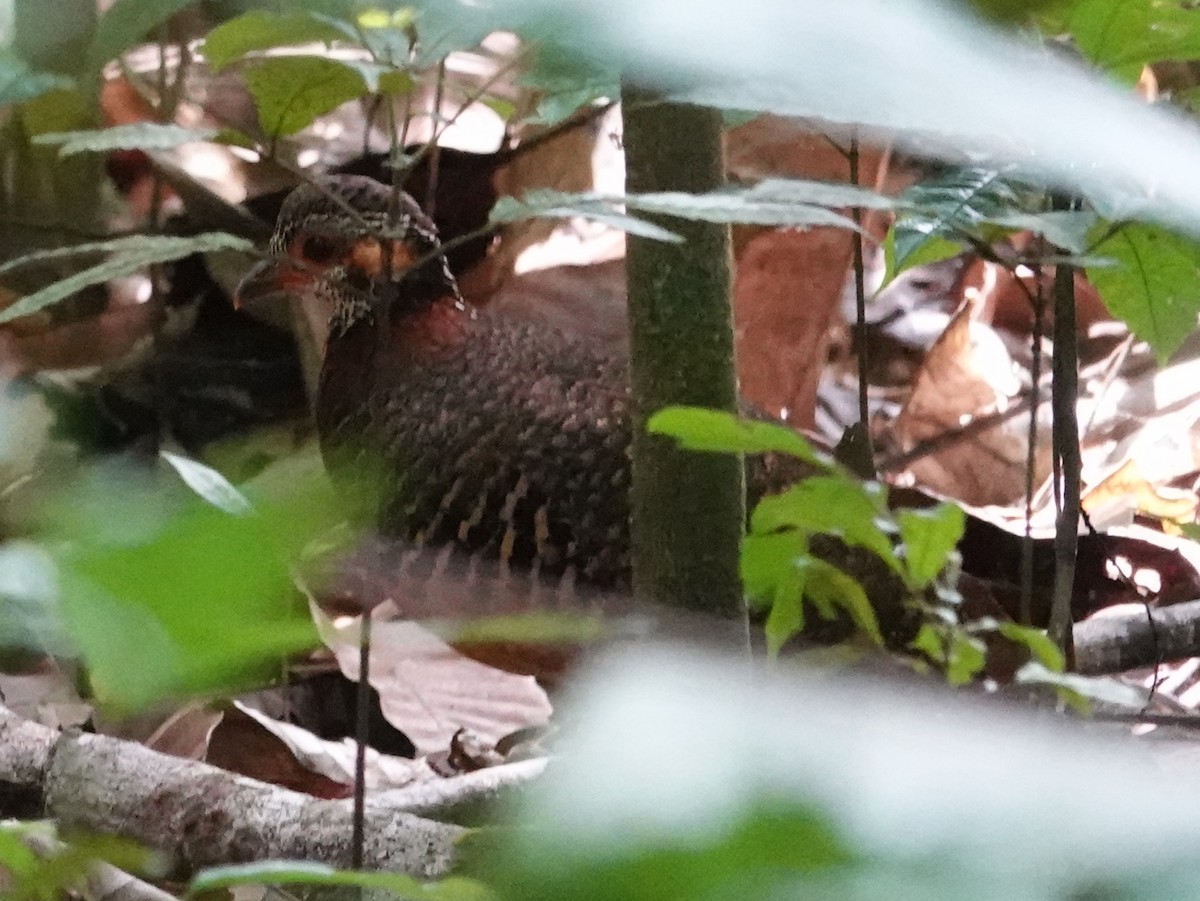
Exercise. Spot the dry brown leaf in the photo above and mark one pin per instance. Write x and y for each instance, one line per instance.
(428, 690)
(968, 373)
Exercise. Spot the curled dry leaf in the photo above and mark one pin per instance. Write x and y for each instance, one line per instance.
(968, 373)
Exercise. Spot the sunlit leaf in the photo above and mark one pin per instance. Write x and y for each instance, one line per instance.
(128, 255)
(1079, 689)
(700, 429)
(1155, 289)
(555, 205)
(776, 202)
(768, 564)
(827, 504)
(292, 91)
(1045, 651)
(139, 136)
(208, 484)
(965, 658)
(265, 30)
(786, 618)
(930, 537)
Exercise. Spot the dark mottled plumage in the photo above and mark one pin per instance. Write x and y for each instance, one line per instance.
(495, 435)
(502, 437)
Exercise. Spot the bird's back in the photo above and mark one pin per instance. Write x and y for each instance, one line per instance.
(506, 439)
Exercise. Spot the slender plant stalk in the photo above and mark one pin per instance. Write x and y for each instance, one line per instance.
(362, 719)
(1035, 377)
(860, 303)
(1064, 394)
(688, 508)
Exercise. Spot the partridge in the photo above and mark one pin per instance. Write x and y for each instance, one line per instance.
(506, 439)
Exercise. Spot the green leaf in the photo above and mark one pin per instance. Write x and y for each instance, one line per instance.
(1123, 37)
(931, 250)
(1068, 229)
(772, 203)
(29, 616)
(129, 255)
(19, 83)
(301, 872)
(166, 595)
(965, 658)
(263, 30)
(791, 204)
(785, 619)
(60, 868)
(1156, 288)
(208, 484)
(701, 429)
(292, 91)
(821, 61)
(1045, 651)
(828, 586)
(945, 208)
(545, 204)
(1078, 690)
(834, 505)
(124, 24)
(140, 136)
(930, 537)
(768, 564)
(931, 642)
(761, 848)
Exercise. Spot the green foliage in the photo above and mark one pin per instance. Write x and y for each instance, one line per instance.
(29, 600)
(1123, 37)
(942, 215)
(1079, 691)
(124, 24)
(711, 430)
(165, 594)
(1155, 288)
(778, 571)
(297, 872)
(264, 30)
(140, 136)
(778, 202)
(771, 849)
(547, 204)
(127, 256)
(291, 91)
(63, 867)
(19, 83)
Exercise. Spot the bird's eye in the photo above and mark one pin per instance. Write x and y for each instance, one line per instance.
(319, 250)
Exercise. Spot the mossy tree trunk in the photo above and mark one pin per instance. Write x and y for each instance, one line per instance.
(688, 508)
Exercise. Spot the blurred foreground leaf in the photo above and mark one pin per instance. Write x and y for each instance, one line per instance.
(140, 136)
(18, 82)
(690, 777)
(166, 595)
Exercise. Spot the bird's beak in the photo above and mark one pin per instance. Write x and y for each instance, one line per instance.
(269, 278)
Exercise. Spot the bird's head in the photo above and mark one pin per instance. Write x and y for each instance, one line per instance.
(345, 238)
